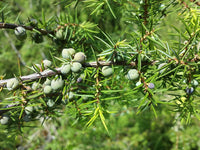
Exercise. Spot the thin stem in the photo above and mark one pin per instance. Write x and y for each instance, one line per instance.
(184, 3)
(145, 12)
(77, 108)
(13, 26)
(194, 1)
(98, 89)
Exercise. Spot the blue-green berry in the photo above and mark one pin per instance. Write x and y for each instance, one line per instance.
(29, 110)
(36, 85)
(60, 34)
(107, 71)
(194, 83)
(79, 57)
(4, 120)
(47, 89)
(70, 95)
(50, 103)
(138, 83)
(57, 84)
(12, 84)
(47, 63)
(160, 66)
(65, 69)
(47, 82)
(67, 52)
(132, 74)
(76, 66)
(20, 33)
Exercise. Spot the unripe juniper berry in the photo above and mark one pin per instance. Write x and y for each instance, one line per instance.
(4, 120)
(76, 66)
(160, 66)
(57, 83)
(107, 71)
(67, 52)
(60, 34)
(138, 83)
(132, 74)
(70, 95)
(194, 83)
(47, 89)
(29, 110)
(47, 63)
(20, 33)
(65, 69)
(79, 57)
(36, 85)
(50, 103)
(12, 84)
(47, 82)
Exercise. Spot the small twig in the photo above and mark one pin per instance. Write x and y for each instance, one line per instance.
(146, 35)
(145, 12)
(77, 108)
(132, 4)
(194, 1)
(188, 42)
(98, 89)
(13, 26)
(184, 3)
(66, 25)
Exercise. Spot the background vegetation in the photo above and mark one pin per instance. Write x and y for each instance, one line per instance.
(103, 29)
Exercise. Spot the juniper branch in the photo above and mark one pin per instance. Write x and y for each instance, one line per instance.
(48, 73)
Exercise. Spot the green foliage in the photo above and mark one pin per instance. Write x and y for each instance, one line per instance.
(142, 63)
